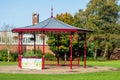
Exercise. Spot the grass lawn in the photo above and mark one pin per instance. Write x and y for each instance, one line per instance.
(85, 76)
(104, 63)
(7, 63)
(109, 75)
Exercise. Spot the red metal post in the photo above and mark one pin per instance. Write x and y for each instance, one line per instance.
(35, 45)
(78, 59)
(71, 51)
(20, 50)
(78, 55)
(85, 51)
(58, 44)
(43, 53)
(58, 62)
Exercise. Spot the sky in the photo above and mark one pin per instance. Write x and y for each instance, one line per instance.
(19, 12)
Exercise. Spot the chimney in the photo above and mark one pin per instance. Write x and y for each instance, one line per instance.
(35, 18)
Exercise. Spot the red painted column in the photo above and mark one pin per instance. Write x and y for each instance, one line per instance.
(78, 55)
(20, 50)
(58, 44)
(35, 45)
(43, 54)
(71, 51)
(78, 59)
(85, 50)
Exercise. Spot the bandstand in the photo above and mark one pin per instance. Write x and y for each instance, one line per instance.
(50, 26)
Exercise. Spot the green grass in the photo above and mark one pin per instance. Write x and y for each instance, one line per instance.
(7, 63)
(109, 75)
(85, 76)
(115, 64)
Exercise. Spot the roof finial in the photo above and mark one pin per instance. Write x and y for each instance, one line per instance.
(51, 12)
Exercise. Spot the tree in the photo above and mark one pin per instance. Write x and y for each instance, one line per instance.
(59, 43)
(66, 18)
(82, 20)
(7, 38)
(104, 15)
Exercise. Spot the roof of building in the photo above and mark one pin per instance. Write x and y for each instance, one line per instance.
(50, 24)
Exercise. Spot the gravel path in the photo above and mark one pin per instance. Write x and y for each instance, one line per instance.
(54, 70)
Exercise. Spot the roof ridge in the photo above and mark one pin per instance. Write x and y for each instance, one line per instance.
(47, 23)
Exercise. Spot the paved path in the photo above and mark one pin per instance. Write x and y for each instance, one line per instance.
(54, 70)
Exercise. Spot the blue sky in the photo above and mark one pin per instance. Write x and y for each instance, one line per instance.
(19, 12)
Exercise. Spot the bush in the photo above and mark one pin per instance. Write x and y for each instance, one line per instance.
(28, 54)
(39, 53)
(31, 54)
(4, 56)
(14, 56)
(49, 56)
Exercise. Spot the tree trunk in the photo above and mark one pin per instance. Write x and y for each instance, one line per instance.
(110, 52)
(8, 55)
(109, 55)
(95, 54)
(57, 59)
(106, 51)
(65, 58)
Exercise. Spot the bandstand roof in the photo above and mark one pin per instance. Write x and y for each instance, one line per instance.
(50, 25)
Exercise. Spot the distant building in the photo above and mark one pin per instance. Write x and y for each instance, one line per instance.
(10, 38)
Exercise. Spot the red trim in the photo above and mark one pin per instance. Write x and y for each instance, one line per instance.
(43, 29)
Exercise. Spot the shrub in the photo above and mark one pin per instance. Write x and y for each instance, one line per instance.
(39, 53)
(14, 56)
(4, 56)
(49, 56)
(31, 54)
